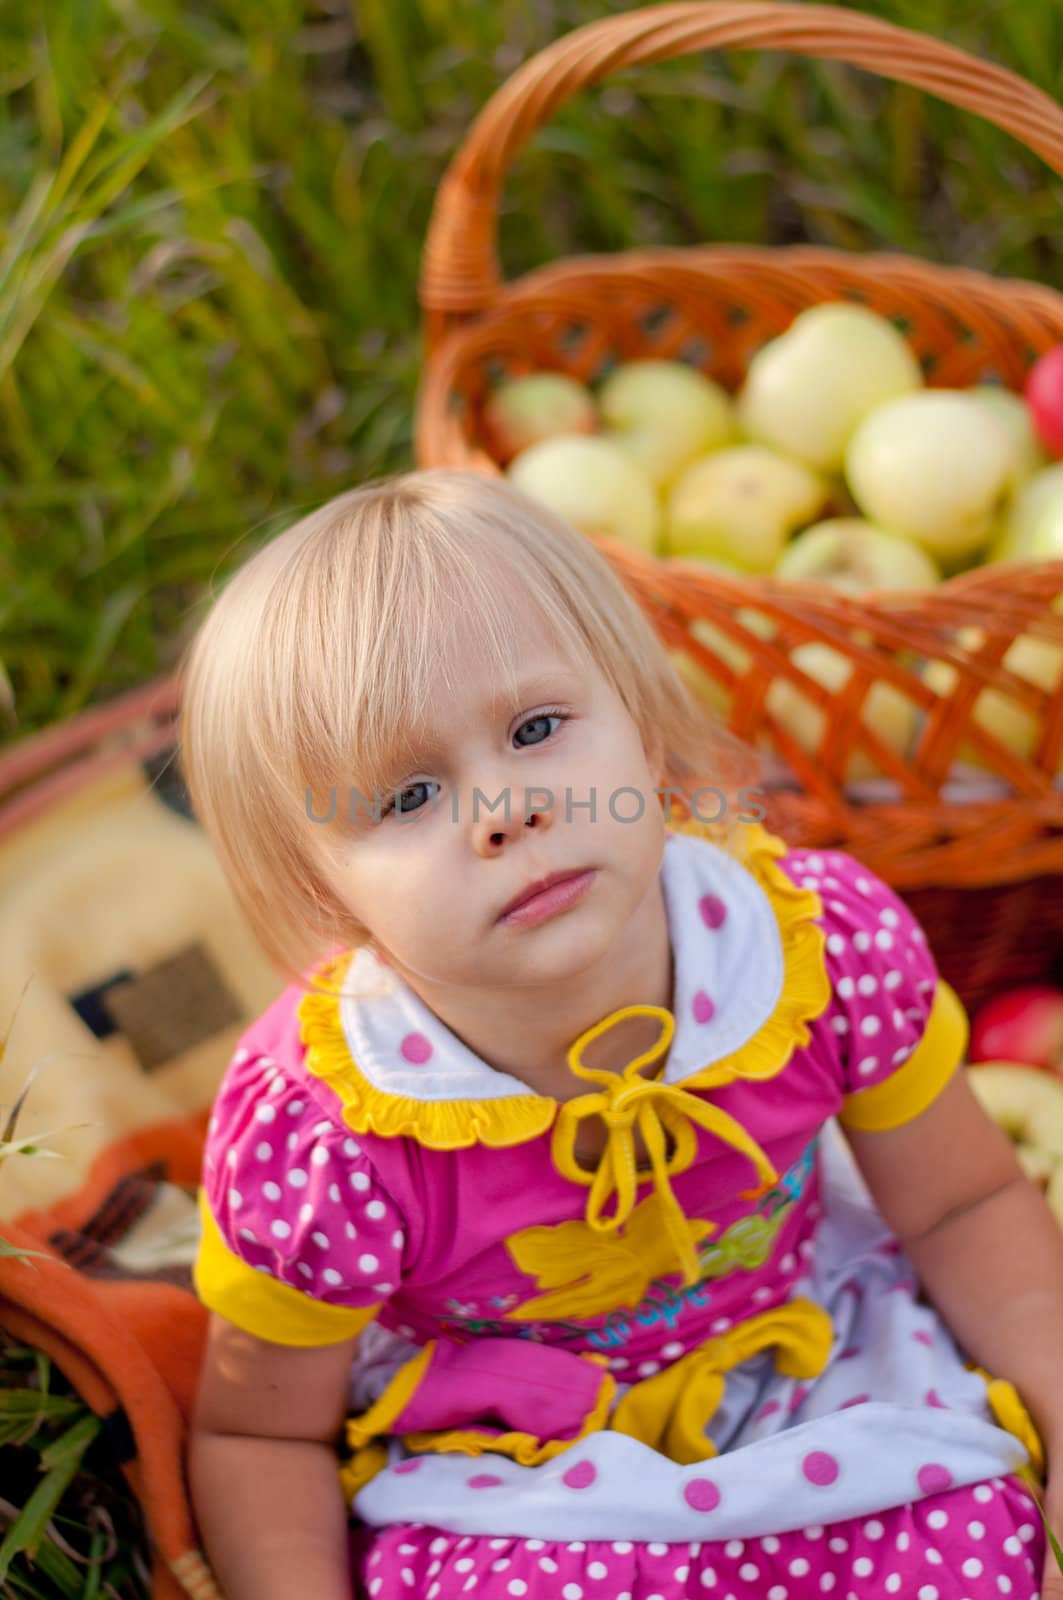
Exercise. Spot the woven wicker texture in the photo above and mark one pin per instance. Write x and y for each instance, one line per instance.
(715, 306)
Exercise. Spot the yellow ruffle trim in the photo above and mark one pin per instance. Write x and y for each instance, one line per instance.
(439, 1124)
(516, 1119)
(806, 991)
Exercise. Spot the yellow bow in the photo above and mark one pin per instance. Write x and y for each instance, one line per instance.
(626, 1099)
(671, 1411)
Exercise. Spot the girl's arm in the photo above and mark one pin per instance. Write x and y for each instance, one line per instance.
(263, 1467)
(981, 1238)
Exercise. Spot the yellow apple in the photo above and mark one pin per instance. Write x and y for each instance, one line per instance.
(854, 555)
(523, 410)
(739, 505)
(1028, 454)
(934, 466)
(806, 391)
(889, 713)
(1033, 496)
(593, 485)
(1046, 535)
(664, 414)
(1017, 728)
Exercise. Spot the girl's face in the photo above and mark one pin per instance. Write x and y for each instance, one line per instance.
(431, 878)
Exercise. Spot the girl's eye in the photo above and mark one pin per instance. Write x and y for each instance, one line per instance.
(405, 806)
(537, 722)
(401, 803)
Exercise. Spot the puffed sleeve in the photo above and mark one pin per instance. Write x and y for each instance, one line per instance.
(899, 1029)
(300, 1244)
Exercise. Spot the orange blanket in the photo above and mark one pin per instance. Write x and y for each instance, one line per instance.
(130, 1346)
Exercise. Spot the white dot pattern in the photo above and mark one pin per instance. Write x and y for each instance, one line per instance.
(881, 969)
(894, 1553)
(308, 1208)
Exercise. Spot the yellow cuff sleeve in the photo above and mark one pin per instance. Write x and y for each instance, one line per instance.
(259, 1303)
(921, 1079)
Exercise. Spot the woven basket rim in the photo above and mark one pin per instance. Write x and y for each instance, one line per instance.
(517, 294)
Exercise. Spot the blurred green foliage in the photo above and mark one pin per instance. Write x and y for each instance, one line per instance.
(212, 216)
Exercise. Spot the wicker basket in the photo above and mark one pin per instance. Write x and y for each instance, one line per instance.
(982, 865)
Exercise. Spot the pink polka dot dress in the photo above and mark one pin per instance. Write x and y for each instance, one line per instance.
(714, 1374)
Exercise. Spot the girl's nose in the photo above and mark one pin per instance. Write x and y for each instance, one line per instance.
(517, 808)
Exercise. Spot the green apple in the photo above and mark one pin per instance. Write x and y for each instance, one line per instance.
(593, 485)
(855, 556)
(1028, 454)
(887, 711)
(1012, 543)
(740, 505)
(664, 414)
(1016, 727)
(934, 466)
(806, 391)
(523, 410)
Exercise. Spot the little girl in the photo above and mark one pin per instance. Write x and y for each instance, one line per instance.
(536, 1260)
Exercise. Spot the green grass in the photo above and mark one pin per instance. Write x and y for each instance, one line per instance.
(212, 219)
(69, 1527)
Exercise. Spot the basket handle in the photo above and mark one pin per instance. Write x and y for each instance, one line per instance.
(460, 274)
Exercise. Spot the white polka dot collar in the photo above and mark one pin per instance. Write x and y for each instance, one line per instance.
(728, 976)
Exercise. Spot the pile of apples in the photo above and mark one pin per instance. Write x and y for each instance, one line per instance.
(834, 462)
(1016, 1072)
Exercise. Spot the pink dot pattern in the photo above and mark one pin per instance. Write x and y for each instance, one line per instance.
(820, 1467)
(416, 1048)
(983, 1542)
(703, 1006)
(933, 1478)
(702, 1494)
(581, 1476)
(713, 911)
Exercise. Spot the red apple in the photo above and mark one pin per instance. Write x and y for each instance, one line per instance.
(1044, 396)
(1023, 1025)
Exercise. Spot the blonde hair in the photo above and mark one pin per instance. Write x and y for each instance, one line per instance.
(315, 661)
